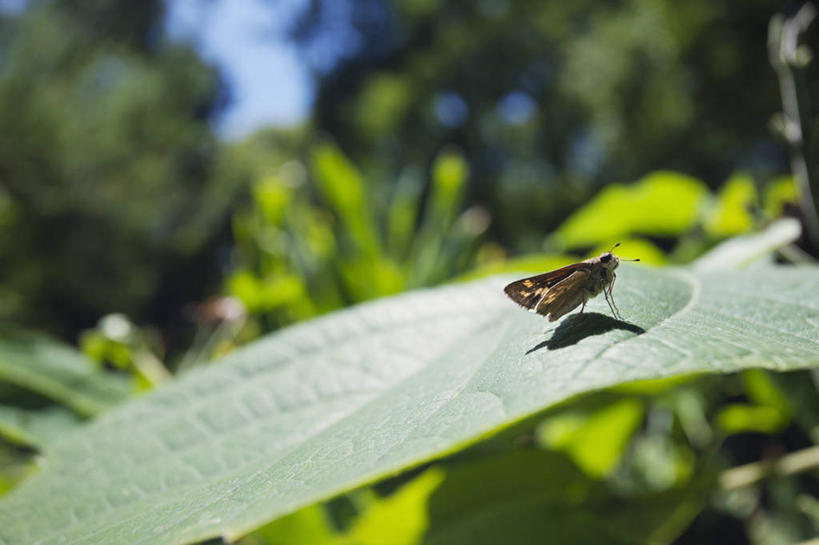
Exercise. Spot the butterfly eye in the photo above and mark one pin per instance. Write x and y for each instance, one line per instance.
(605, 258)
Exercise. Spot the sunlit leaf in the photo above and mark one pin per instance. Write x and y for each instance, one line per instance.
(344, 188)
(401, 519)
(777, 193)
(741, 417)
(595, 442)
(272, 197)
(308, 526)
(527, 497)
(534, 264)
(634, 248)
(662, 203)
(732, 210)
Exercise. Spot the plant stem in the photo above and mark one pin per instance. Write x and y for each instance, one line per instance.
(788, 61)
(790, 464)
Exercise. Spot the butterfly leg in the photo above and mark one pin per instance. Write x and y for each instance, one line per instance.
(582, 307)
(608, 300)
(611, 291)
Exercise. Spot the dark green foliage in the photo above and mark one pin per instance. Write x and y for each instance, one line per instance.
(105, 160)
(606, 92)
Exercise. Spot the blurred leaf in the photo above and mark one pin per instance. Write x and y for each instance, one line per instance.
(661, 204)
(14, 467)
(731, 214)
(595, 442)
(763, 391)
(653, 386)
(272, 197)
(58, 372)
(35, 427)
(368, 279)
(777, 193)
(308, 526)
(740, 417)
(345, 190)
(743, 250)
(810, 506)
(403, 212)
(635, 248)
(659, 463)
(449, 175)
(800, 390)
(319, 235)
(659, 518)
(400, 519)
(534, 264)
(325, 406)
(382, 103)
(100, 348)
(265, 295)
(523, 497)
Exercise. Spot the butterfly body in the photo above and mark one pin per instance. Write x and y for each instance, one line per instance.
(556, 293)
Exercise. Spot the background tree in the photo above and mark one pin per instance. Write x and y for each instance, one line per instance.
(552, 100)
(105, 163)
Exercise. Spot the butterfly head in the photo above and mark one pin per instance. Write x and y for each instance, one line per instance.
(609, 260)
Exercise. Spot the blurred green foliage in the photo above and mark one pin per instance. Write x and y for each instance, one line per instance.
(315, 239)
(663, 204)
(106, 196)
(551, 101)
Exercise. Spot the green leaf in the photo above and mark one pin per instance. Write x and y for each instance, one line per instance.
(403, 212)
(731, 214)
(310, 525)
(400, 519)
(518, 498)
(661, 204)
(326, 406)
(777, 193)
(58, 372)
(747, 249)
(449, 175)
(595, 442)
(532, 263)
(741, 417)
(345, 190)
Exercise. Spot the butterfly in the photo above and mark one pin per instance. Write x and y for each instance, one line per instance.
(559, 292)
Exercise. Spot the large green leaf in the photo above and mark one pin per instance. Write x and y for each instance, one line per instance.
(325, 406)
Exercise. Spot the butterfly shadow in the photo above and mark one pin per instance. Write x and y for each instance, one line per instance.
(577, 327)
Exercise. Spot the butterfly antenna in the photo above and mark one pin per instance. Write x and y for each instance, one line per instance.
(615, 246)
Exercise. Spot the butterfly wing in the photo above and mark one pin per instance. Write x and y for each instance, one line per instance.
(531, 292)
(565, 296)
